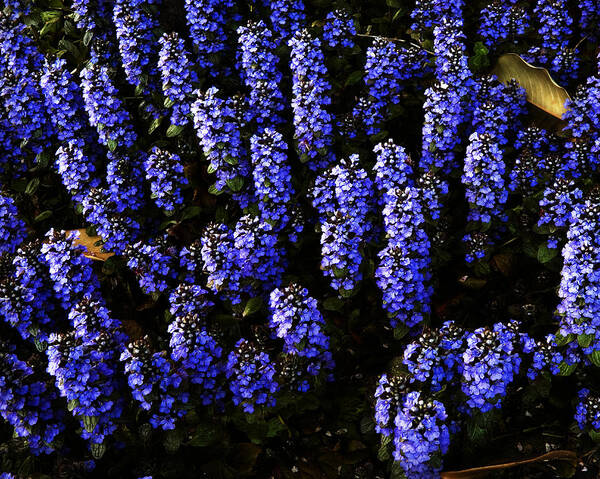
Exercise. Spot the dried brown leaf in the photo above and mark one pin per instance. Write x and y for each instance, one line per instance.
(542, 91)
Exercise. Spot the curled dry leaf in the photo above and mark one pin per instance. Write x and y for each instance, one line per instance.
(89, 242)
(480, 472)
(542, 91)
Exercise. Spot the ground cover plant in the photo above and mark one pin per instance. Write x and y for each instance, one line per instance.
(299, 238)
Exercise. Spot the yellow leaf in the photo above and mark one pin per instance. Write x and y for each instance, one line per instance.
(542, 91)
(89, 242)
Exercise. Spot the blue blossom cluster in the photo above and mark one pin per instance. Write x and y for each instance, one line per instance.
(85, 370)
(218, 129)
(164, 171)
(590, 18)
(580, 306)
(154, 264)
(483, 178)
(206, 20)
(154, 383)
(503, 20)
(260, 66)
(313, 122)
(386, 69)
(342, 195)
(220, 262)
(421, 435)
(199, 354)
(105, 108)
(389, 398)
(178, 76)
(339, 29)
(403, 273)
(28, 403)
(393, 169)
(70, 271)
(76, 169)
(12, 229)
(491, 361)
(427, 13)
(528, 170)
(558, 202)
(554, 23)
(252, 377)
(125, 180)
(272, 178)
(134, 27)
(296, 319)
(436, 358)
(259, 257)
(287, 16)
(21, 95)
(587, 413)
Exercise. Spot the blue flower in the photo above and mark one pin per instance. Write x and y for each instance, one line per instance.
(164, 171)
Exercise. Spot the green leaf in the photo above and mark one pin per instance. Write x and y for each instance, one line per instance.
(32, 186)
(595, 358)
(87, 37)
(90, 422)
(44, 215)
(97, 450)
(400, 331)
(204, 436)
(191, 212)
(155, 124)
(174, 130)
(585, 340)
(566, 369)
(235, 184)
(383, 454)
(354, 77)
(72, 404)
(252, 306)
(112, 145)
(545, 254)
(168, 103)
(561, 340)
(594, 436)
(333, 304)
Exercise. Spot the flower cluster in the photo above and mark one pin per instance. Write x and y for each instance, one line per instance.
(178, 76)
(503, 20)
(85, 373)
(287, 16)
(105, 108)
(313, 122)
(342, 196)
(164, 171)
(76, 169)
(12, 229)
(392, 169)
(206, 20)
(218, 129)
(386, 68)
(421, 435)
(483, 178)
(296, 319)
(70, 271)
(403, 273)
(260, 66)
(154, 383)
(587, 413)
(134, 29)
(125, 180)
(153, 263)
(197, 352)
(435, 358)
(580, 276)
(339, 29)
(272, 178)
(491, 362)
(27, 403)
(251, 377)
